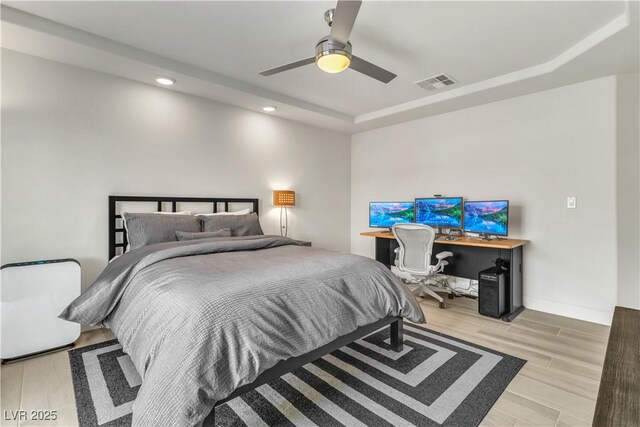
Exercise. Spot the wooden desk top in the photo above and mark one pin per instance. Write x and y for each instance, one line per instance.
(462, 240)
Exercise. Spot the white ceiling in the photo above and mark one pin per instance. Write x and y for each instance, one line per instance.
(216, 49)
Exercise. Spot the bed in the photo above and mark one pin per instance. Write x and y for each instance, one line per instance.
(207, 320)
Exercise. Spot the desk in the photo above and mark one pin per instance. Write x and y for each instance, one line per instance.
(470, 256)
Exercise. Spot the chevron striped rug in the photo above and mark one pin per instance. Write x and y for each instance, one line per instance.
(436, 380)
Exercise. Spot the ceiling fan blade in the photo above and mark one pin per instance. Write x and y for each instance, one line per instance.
(343, 20)
(290, 66)
(371, 70)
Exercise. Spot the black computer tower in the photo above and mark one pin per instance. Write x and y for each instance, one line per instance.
(492, 298)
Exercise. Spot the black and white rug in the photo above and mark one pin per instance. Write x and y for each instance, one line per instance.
(435, 380)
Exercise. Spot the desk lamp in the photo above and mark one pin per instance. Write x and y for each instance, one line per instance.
(284, 199)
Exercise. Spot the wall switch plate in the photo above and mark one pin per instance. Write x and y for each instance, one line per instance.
(571, 202)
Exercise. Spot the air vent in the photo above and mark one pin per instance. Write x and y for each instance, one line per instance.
(436, 82)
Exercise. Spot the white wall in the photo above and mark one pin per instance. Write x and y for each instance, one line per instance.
(71, 137)
(534, 150)
(628, 178)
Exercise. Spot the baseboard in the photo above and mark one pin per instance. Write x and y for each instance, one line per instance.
(588, 314)
(632, 305)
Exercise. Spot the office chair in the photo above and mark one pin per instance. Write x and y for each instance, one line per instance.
(413, 258)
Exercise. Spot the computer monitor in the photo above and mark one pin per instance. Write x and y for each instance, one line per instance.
(443, 212)
(386, 214)
(487, 217)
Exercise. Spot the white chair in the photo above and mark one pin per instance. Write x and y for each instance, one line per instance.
(413, 258)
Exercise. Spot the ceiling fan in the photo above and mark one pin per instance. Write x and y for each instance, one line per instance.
(333, 52)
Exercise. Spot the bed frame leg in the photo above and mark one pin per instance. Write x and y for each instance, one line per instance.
(210, 420)
(397, 335)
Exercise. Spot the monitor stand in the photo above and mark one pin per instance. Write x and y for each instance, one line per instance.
(456, 232)
(486, 236)
(453, 234)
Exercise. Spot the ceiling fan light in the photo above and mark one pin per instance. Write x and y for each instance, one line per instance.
(333, 62)
(331, 56)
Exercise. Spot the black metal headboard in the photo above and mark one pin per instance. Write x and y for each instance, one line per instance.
(114, 229)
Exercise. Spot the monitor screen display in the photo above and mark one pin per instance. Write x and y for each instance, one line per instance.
(386, 214)
(439, 212)
(490, 217)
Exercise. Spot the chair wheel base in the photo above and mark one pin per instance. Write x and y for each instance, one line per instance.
(442, 304)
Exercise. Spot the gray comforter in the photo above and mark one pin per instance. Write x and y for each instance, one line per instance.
(202, 318)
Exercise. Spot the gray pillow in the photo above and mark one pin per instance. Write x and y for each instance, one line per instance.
(184, 235)
(240, 225)
(149, 228)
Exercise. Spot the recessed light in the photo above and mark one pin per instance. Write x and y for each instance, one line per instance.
(165, 81)
(269, 108)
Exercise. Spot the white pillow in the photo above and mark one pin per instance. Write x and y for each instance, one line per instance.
(124, 223)
(242, 212)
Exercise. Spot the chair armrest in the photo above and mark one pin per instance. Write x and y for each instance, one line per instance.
(443, 255)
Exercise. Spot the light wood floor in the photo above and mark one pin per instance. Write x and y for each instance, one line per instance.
(557, 387)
